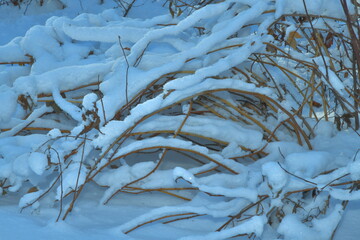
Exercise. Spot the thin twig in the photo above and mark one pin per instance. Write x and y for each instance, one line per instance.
(127, 10)
(76, 190)
(296, 175)
(157, 219)
(101, 101)
(127, 71)
(61, 182)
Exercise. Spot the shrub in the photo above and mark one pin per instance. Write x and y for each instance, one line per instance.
(222, 105)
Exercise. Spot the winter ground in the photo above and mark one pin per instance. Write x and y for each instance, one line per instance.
(91, 220)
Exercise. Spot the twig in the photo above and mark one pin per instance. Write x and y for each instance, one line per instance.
(160, 159)
(296, 175)
(334, 181)
(127, 71)
(127, 10)
(237, 216)
(27, 6)
(76, 190)
(46, 191)
(355, 43)
(184, 218)
(157, 219)
(61, 183)
(101, 101)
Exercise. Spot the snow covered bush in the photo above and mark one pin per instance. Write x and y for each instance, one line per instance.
(230, 108)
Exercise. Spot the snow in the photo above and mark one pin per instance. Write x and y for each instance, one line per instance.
(28, 198)
(34, 115)
(38, 162)
(254, 225)
(89, 101)
(293, 228)
(62, 77)
(328, 7)
(233, 192)
(122, 176)
(66, 106)
(333, 80)
(277, 177)
(54, 133)
(169, 119)
(209, 127)
(354, 168)
(7, 110)
(308, 164)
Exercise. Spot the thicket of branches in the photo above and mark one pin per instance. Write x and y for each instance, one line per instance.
(242, 77)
